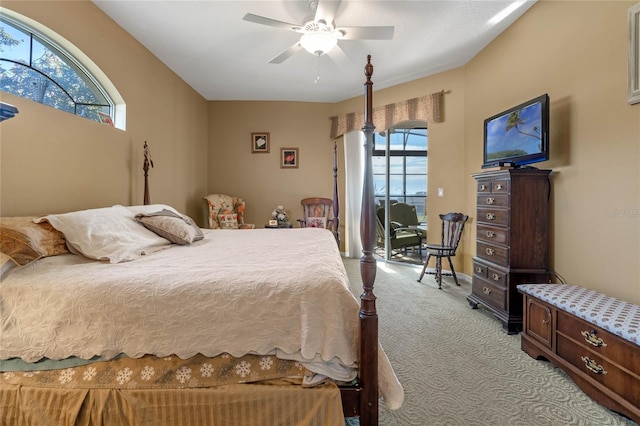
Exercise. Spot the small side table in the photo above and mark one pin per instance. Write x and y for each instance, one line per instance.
(288, 225)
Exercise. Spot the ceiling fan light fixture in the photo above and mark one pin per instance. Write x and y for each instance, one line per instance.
(319, 42)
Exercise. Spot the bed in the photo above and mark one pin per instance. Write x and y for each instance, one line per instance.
(134, 315)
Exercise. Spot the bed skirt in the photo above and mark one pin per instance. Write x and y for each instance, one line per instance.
(148, 391)
(276, 402)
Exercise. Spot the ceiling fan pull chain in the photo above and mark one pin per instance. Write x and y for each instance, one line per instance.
(317, 69)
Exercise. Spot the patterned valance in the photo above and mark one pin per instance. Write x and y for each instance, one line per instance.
(426, 108)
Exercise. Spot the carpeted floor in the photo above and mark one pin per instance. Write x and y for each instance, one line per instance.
(458, 367)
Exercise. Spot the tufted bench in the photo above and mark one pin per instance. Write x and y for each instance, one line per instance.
(593, 337)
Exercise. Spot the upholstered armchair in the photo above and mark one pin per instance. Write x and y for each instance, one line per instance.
(224, 212)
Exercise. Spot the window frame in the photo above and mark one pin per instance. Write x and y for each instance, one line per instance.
(84, 69)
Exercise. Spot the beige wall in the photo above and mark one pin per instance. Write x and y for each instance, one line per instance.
(257, 177)
(52, 161)
(575, 51)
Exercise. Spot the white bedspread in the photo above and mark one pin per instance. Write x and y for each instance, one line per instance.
(262, 291)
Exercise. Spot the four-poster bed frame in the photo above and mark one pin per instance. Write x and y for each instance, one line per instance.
(362, 400)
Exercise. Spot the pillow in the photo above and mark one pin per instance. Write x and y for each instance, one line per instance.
(316, 222)
(6, 265)
(149, 208)
(228, 221)
(25, 241)
(110, 233)
(173, 226)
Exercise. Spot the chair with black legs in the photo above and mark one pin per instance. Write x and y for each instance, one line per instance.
(452, 226)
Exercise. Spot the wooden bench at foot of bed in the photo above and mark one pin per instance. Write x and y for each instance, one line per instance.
(594, 338)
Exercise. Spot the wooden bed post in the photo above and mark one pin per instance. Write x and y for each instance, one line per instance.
(145, 167)
(336, 201)
(368, 314)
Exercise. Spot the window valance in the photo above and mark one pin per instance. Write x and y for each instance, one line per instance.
(426, 108)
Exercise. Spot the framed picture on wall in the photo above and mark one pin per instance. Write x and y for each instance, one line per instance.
(260, 142)
(289, 158)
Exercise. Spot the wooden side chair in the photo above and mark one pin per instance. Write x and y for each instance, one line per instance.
(316, 211)
(452, 226)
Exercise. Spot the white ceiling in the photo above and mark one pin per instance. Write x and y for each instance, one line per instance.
(223, 57)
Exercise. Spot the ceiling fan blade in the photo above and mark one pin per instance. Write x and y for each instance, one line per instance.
(366, 33)
(339, 57)
(286, 54)
(326, 10)
(270, 22)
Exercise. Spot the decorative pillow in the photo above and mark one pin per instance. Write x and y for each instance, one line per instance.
(110, 233)
(24, 241)
(316, 222)
(228, 221)
(149, 208)
(174, 227)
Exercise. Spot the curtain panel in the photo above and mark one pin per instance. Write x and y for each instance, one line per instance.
(426, 108)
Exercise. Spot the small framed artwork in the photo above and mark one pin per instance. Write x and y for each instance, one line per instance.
(289, 158)
(634, 54)
(260, 142)
(273, 222)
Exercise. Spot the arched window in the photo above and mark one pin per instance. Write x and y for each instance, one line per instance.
(35, 67)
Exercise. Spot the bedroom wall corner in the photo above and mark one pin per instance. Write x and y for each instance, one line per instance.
(580, 59)
(53, 162)
(257, 177)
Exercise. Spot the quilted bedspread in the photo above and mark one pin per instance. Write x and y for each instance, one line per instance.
(282, 292)
(235, 291)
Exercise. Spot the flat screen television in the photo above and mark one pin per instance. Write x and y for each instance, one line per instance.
(518, 136)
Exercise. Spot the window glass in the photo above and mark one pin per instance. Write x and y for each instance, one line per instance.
(36, 69)
(408, 167)
(13, 44)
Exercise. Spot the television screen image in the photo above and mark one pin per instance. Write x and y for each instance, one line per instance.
(518, 135)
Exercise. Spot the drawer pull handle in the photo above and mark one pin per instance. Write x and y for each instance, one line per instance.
(491, 216)
(491, 234)
(499, 186)
(479, 269)
(591, 338)
(490, 251)
(486, 290)
(491, 200)
(483, 187)
(495, 277)
(593, 366)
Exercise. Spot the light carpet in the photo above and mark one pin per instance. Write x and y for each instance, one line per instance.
(458, 367)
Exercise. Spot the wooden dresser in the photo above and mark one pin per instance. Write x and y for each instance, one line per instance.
(512, 242)
(592, 337)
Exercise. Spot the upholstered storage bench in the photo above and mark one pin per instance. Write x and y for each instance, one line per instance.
(594, 338)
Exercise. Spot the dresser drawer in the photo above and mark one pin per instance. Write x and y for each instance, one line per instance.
(490, 293)
(500, 186)
(599, 341)
(493, 216)
(595, 366)
(493, 253)
(484, 187)
(479, 270)
(497, 186)
(493, 200)
(492, 234)
(497, 277)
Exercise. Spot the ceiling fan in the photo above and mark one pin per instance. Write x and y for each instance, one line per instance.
(320, 33)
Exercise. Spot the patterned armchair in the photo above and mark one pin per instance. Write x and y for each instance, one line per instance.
(224, 212)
